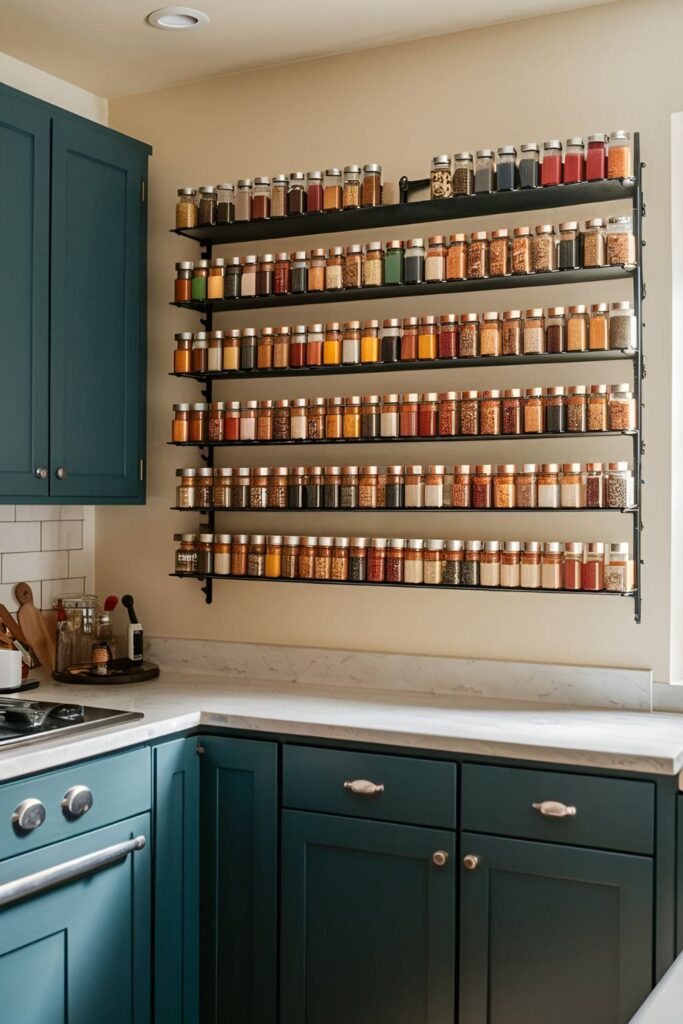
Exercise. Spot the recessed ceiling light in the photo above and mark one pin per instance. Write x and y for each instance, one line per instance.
(177, 18)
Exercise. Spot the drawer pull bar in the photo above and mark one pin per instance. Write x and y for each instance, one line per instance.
(48, 878)
(554, 809)
(363, 787)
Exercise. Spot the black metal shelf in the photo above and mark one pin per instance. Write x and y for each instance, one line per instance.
(399, 291)
(478, 511)
(410, 586)
(403, 440)
(420, 212)
(541, 359)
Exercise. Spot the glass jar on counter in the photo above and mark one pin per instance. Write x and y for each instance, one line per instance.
(593, 243)
(353, 266)
(576, 404)
(369, 342)
(435, 258)
(452, 563)
(491, 335)
(207, 205)
(440, 178)
(551, 165)
(526, 486)
(409, 335)
(521, 250)
(469, 413)
(551, 566)
(332, 345)
(297, 346)
(512, 411)
(621, 408)
(471, 565)
(549, 485)
(393, 262)
(334, 269)
(534, 332)
(448, 419)
(529, 165)
(432, 559)
(183, 281)
(243, 199)
(572, 566)
(222, 481)
(574, 161)
(322, 565)
(499, 253)
(595, 485)
(597, 407)
(489, 413)
(351, 343)
(482, 487)
(593, 570)
(351, 421)
(370, 417)
(434, 487)
(478, 255)
(290, 557)
(368, 484)
(511, 333)
(334, 418)
(298, 420)
(572, 486)
(414, 262)
(256, 555)
(372, 185)
(619, 157)
(376, 560)
(596, 157)
(314, 192)
(510, 564)
(282, 420)
(333, 193)
(461, 492)
(568, 247)
(448, 336)
(620, 485)
(504, 487)
(389, 416)
(186, 209)
(414, 487)
(506, 169)
(456, 257)
(485, 172)
(413, 563)
(186, 558)
(315, 338)
(543, 249)
(534, 412)
(373, 266)
(469, 336)
(463, 174)
(395, 487)
(408, 417)
(555, 410)
(339, 567)
(530, 565)
(351, 193)
(390, 342)
(198, 422)
(200, 277)
(316, 419)
(233, 278)
(239, 488)
(258, 487)
(620, 243)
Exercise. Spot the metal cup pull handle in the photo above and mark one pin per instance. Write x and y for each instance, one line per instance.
(363, 787)
(554, 809)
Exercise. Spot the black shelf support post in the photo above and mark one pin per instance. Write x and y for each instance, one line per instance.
(638, 372)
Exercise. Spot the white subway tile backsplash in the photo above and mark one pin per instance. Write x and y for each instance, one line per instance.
(9, 600)
(60, 536)
(52, 589)
(31, 565)
(19, 537)
(8, 513)
(48, 513)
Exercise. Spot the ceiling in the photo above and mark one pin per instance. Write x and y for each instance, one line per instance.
(106, 46)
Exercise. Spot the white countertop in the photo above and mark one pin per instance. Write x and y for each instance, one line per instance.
(617, 740)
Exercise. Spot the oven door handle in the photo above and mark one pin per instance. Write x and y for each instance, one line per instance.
(79, 867)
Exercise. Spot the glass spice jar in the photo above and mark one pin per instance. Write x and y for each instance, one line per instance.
(215, 352)
(576, 409)
(526, 486)
(248, 280)
(182, 359)
(243, 200)
(316, 419)
(315, 337)
(471, 565)
(596, 157)
(233, 278)
(333, 193)
(273, 566)
(296, 480)
(574, 161)
(297, 346)
(619, 569)
(543, 249)
(339, 567)
(413, 562)
(449, 420)
(449, 335)
(215, 283)
(296, 196)
(619, 157)
(485, 171)
(595, 485)
(512, 411)
(534, 332)
(290, 557)
(414, 487)
(351, 343)
(427, 337)
(186, 210)
(332, 345)
(282, 280)
(521, 250)
(456, 258)
(306, 564)
(351, 193)
(510, 564)
(549, 485)
(408, 416)
(461, 495)
(373, 265)
(200, 277)
(555, 330)
(369, 342)
(504, 488)
(577, 328)
(409, 334)
(593, 569)
(434, 487)
(183, 281)
(593, 243)
(597, 407)
(389, 416)
(530, 567)
(299, 261)
(452, 563)
(216, 428)
(491, 335)
(351, 422)
(572, 565)
(435, 258)
(200, 353)
(199, 421)
(298, 420)
(499, 253)
(186, 491)
(529, 165)
(623, 330)
(463, 174)
(258, 487)
(393, 262)
(395, 487)
(390, 342)
(534, 416)
(620, 244)
(222, 481)
(260, 199)
(478, 255)
(469, 336)
(620, 485)
(489, 412)
(314, 192)
(316, 270)
(568, 247)
(511, 341)
(506, 169)
(551, 566)
(370, 417)
(358, 559)
(264, 349)
(282, 420)
(348, 495)
(207, 205)
(334, 418)
(186, 556)
(368, 483)
(376, 560)
(469, 413)
(555, 410)
(238, 554)
(482, 487)
(204, 487)
(256, 555)
(313, 487)
(414, 262)
(432, 568)
(281, 347)
(322, 566)
(334, 269)
(621, 408)
(572, 486)
(440, 178)
(231, 350)
(332, 487)
(260, 427)
(353, 266)
(551, 165)
(239, 488)
(221, 554)
(278, 196)
(372, 185)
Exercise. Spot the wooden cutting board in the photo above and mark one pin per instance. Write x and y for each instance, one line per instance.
(34, 626)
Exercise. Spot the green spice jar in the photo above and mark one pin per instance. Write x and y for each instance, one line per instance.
(393, 262)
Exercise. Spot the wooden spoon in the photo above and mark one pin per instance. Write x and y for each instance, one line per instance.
(33, 625)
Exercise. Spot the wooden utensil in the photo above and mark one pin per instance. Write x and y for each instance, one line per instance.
(17, 634)
(33, 625)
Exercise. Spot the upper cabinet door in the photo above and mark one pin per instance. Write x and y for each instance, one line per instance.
(24, 292)
(97, 365)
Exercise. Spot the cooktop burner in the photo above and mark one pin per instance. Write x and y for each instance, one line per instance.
(25, 720)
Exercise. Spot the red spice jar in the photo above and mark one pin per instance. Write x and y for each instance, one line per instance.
(232, 421)
(297, 346)
(408, 417)
(482, 487)
(551, 167)
(572, 566)
(593, 569)
(448, 336)
(574, 162)
(183, 281)
(428, 415)
(314, 344)
(448, 414)
(314, 193)
(376, 560)
(282, 283)
(596, 159)
(409, 339)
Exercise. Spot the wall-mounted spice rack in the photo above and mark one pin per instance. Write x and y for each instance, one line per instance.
(422, 212)
(402, 440)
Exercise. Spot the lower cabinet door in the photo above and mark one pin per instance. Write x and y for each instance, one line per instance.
(239, 881)
(79, 953)
(552, 933)
(368, 922)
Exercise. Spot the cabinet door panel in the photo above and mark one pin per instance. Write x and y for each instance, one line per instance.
(24, 294)
(553, 932)
(97, 351)
(368, 922)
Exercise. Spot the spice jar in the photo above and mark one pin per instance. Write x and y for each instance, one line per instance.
(282, 420)
(248, 415)
(435, 258)
(506, 169)
(427, 338)
(620, 242)
(414, 262)
(294, 480)
(432, 567)
(260, 199)
(376, 560)
(598, 327)
(248, 280)
(534, 332)
(469, 335)
(273, 564)
(281, 347)
(297, 346)
(296, 196)
(620, 485)
(409, 336)
(491, 336)
(572, 566)
(572, 486)
(440, 178)
(351, 343)
(316, 419)
(543, 251)
(216, 428)
(358, 559)
(530, 567)
(512, 411)
(186, 559)
(238, 554)
(461, 488)
(434, 487)
(393, 262)
(456, 258)
(313, 487)
(394, 492)
(332, 345)
(307, 551)
(394, 561)
(183, 281)
(390, 342)
(526, 486)
(231, 350)
(413, 562)
(182, 359)
(204, 487)
(593, 244)
(595, 485)
(290, 557)
(568, 248)
(521, 250)
(258, 487)
(314, 192)
(353, 266)
(333, 190)
(256, 555)
(597, 407)
(282, 279)
(351, 194)
(448, 336)
(499, 253)
(351, 421)
(408, 417)
(199, 419)
(504, 490)
(334, 269)
(372, 185)
(482, 487)
(349, 487)
(186, 491)
(534, 418)
(389, 416)
(316, 270)
(215, 285)
(222, 480)
(232, 281)
(549, 485)
(471, 565)
(489, 412)
(239, 489)
(485, 171)
(619, 161)
(551, 165)
(207, 205)
(469, 413)
(414, 487)
(248, 349)
(278, 197)
(369, 342)
(264, 349)
(593, 569)
(298, 420)
(334, 418)
(339, 565)
(332, 487)
(221, 554)
(463, 174)
(200, 276)
(186, 210)
(478, 255)
(323, 559)
(373, 267)
(555, 330)
(529, 165)
(315, 337)
(368, 484)
(574, 161)
(452, 563)
(511, 340)
(619, 569)
(299, 272)
(510, 564)
(555, 410)
(623, 331)
(243, 199)
(551, 566)
(576, 408)
(448, 419)
(200, 353)
(596, 157)
(215, 351)
(621, 408)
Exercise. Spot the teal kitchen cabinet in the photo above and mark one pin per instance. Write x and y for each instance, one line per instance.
(552, 932)
(73, 290)
(239, 881)
(176, 882)
(79, 952)
(368, 922)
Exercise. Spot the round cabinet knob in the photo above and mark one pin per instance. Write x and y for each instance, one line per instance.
(440, 858)
(470, 862)
(41, 473)
(30, 814)
(60, 473)
(77, 801)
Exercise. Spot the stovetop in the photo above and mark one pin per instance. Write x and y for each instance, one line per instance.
(23, 721)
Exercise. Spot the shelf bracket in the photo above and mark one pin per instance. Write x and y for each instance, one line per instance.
(207, 590)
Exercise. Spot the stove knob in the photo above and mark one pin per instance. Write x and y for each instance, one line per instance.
(77, 801)
(30, 814)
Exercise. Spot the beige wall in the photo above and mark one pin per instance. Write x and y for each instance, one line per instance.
(602, 68)
(47, 87)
